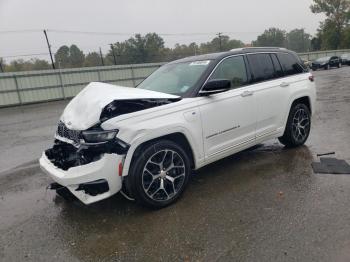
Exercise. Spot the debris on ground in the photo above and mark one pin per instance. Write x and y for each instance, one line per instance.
(328, 165)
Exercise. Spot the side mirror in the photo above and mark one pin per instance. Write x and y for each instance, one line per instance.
(215, 86)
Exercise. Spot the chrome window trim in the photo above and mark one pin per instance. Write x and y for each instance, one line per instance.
(212, 72)
(245, 54)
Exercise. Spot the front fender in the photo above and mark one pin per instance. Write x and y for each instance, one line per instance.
(151, 134)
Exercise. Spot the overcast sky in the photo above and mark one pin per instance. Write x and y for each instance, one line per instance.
(243, 19)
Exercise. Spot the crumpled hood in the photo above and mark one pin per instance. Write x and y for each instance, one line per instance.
(84, 110)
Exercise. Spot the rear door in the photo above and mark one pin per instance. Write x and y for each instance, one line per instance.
(270, 91)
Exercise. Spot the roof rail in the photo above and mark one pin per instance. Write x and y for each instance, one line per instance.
(258, 47)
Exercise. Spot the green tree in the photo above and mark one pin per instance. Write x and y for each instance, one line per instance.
(76, 56)
(138, 49)
(214, 44)
(62, 57)
(329, 36)
(345, 40)
(338, 16)
(271, 37)
(298, 40)
(92, 59)
(315, 43)
(39, 64)
(180, 51)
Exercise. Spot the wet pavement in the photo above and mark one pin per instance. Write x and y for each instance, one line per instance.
(263, 204)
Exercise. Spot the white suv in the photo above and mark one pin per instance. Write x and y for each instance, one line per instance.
(146, 141)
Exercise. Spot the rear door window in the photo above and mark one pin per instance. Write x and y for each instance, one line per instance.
(233, 69)
(262, 67)
(277, 65)
(290, 64)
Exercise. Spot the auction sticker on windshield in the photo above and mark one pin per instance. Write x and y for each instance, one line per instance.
(205, 62)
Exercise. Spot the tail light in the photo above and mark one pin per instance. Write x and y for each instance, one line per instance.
(120, 169)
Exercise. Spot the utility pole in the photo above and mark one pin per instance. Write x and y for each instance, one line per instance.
(103, 63)
(49, 46)
(114, 58)
(219, 35)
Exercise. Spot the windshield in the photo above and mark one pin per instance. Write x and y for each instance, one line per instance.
(175, 78)
(323, 59)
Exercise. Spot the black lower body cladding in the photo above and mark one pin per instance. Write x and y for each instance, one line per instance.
(65, 156)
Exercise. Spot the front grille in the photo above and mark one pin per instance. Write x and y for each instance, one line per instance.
(65, 132)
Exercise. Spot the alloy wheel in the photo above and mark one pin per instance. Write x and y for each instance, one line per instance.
(300, 125)
(163, 175)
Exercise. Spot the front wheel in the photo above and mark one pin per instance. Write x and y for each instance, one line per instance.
(159, 175)
(298, 126)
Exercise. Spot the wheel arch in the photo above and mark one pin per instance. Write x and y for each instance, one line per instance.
(177, 137)
(302, 100)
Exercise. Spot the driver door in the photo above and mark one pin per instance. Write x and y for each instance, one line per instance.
(229, 118)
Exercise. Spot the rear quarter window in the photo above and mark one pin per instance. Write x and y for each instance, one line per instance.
(290, 64)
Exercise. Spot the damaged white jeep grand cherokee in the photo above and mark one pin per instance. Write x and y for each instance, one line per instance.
(146, 141)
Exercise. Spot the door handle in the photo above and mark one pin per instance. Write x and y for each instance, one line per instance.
(284, 84)
(247, 93)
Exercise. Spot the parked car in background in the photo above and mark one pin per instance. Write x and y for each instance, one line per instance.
(345, 59)
(326, 63)
(146, 141)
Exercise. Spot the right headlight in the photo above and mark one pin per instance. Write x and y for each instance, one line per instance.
(99, 136)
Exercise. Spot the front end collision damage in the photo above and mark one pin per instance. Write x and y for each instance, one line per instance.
(88, 170)
(91, 171)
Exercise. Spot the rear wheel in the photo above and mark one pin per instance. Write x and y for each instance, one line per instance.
(298, 126)
(159, 175)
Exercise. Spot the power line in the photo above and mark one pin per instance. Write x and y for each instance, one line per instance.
(25, 55)
(132, 33)
(123, 33)
(21, 31)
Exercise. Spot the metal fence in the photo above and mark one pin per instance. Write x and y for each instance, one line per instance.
(314, 55)
(47, 85)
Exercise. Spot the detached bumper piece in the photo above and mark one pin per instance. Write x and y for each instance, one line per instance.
(90, 173)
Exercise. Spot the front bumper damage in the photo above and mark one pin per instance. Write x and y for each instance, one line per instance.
(90, 173)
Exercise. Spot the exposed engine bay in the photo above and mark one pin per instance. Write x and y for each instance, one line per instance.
(65, 155)
(121, 107)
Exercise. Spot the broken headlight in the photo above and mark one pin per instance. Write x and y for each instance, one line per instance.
(99, 136)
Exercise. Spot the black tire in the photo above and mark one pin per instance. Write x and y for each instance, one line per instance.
(138, 184)
(293, 135)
